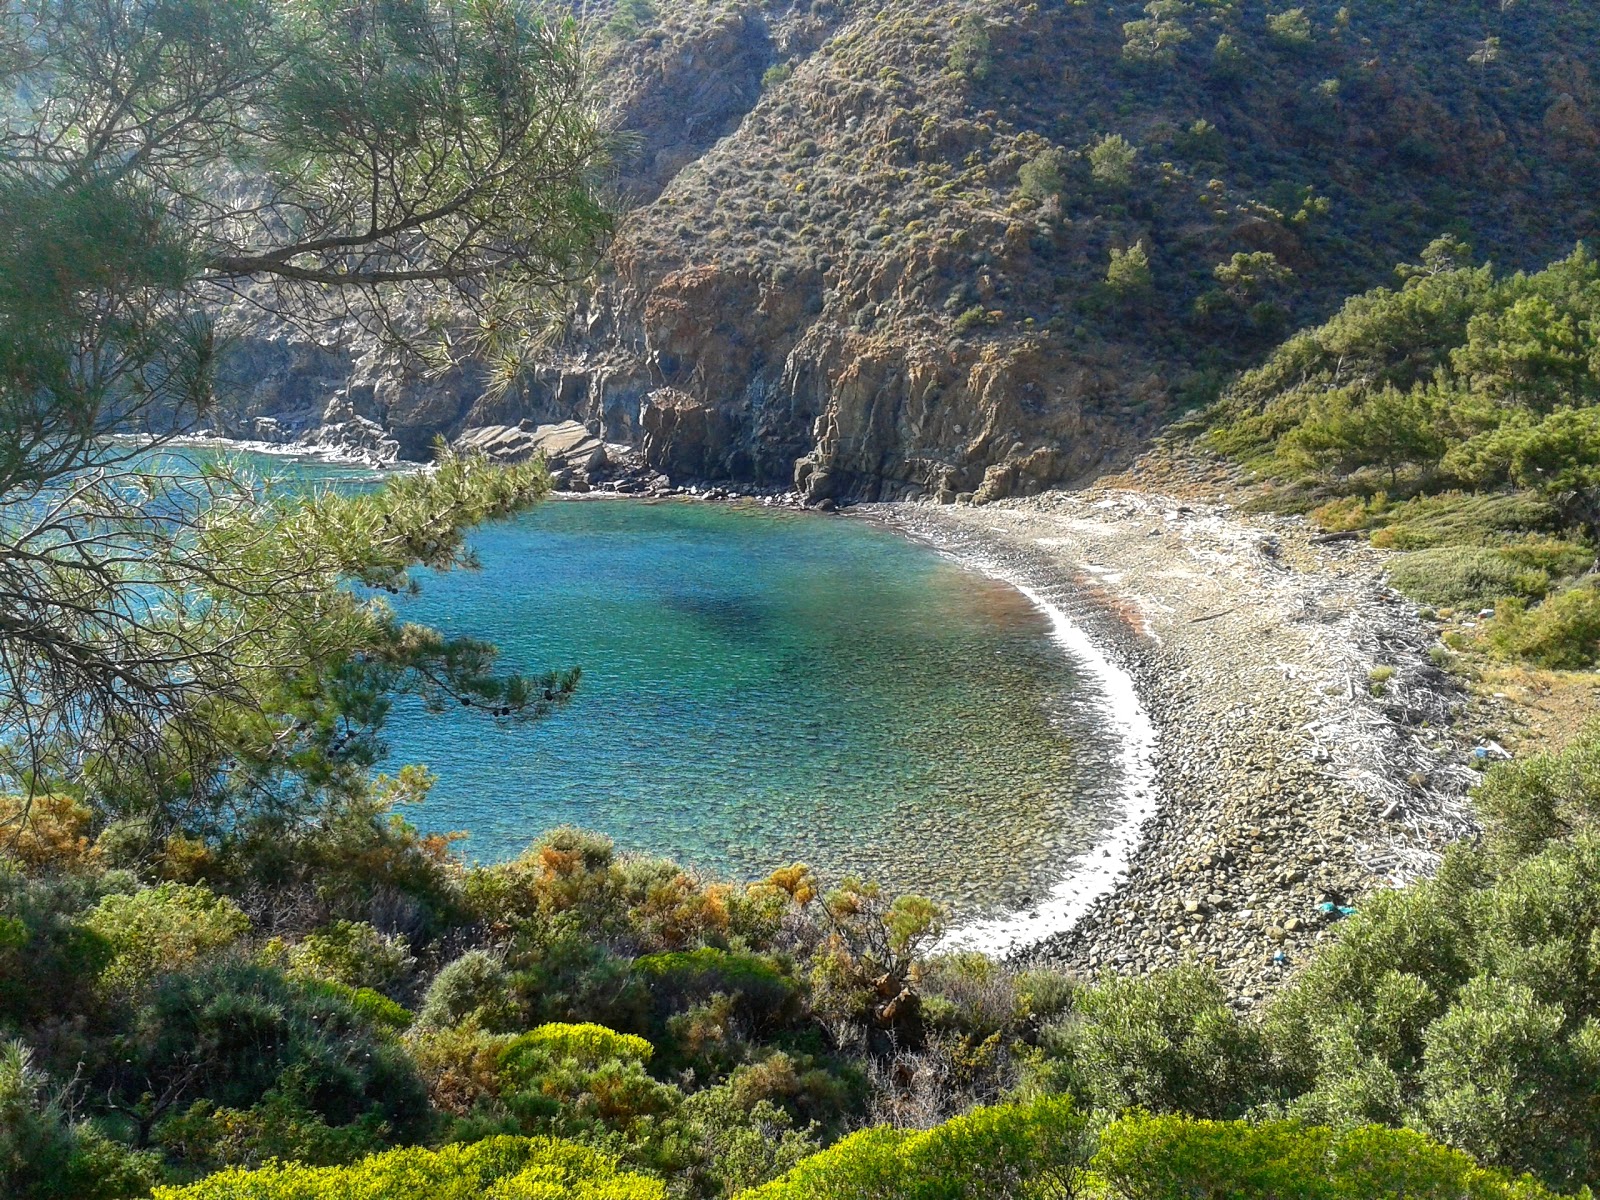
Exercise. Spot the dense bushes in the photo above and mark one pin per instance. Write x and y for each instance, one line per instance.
(1019, 1151)
(1170, 1042)
(499, 1168)
(218, 1062)
(715, 1038)
(1475, 395)
(1047, 1149)
(162, 929)
(1143, 1157)
(44, 1156)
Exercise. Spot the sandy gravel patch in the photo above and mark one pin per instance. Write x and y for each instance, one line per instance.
(1303, 751)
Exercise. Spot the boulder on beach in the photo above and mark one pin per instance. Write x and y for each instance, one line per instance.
(568, 447)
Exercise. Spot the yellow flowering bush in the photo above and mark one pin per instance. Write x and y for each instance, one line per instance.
(585, 1043)
(497, 1168)
(1020, 1151)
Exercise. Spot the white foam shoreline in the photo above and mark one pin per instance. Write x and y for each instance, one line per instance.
(293, 450)
(1093, 873)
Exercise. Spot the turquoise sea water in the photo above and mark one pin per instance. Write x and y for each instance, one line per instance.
(760, 687)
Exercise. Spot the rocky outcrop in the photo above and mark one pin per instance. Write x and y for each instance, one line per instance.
(573, 454)
(868, 248)
(683, 436)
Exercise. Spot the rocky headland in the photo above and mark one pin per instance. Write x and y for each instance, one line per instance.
(865, 251)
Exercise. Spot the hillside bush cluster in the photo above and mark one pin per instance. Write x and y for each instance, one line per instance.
(579, 1023)
(1457, 416)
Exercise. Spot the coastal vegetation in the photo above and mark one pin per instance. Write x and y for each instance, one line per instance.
(204, 1013)
(231, 968)
(1454, 417)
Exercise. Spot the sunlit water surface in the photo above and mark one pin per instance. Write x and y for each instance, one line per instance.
(762, 687)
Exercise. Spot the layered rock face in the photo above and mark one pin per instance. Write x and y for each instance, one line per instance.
(875, 252)
(575, 456)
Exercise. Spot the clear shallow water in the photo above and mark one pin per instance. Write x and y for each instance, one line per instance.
(762, 687)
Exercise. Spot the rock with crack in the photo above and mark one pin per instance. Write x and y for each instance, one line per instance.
(572, 453)
(683, 436)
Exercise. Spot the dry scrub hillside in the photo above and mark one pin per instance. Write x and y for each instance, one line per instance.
(933, 248)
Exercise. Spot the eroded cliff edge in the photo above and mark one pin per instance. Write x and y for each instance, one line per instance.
(870, 251)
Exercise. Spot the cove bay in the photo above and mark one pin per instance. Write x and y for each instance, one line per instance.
(763, 687)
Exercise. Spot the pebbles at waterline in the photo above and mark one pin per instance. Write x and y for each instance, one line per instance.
(1283, 782)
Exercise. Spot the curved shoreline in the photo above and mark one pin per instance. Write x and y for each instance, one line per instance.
(1094, 872)
(1280, 778)
(1264, 773)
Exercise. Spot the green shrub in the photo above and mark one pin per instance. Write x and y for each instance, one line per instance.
(776, 75)
(570, 1081)
(498, 1168)
(1515, 521)
(1041, 176)
(1527, 804)
(1129, 272)
(1228, 61)
(1248, 276)
(163, 929)
(587, 1045)
(377, 1009)
(474, 986)
(1167, 1042)
(970, 55)
(1175, 1157)
(1461, 1006)
(279, 1126)
(1018, 1151)
(972, 994)
(352, 953)
(976, 317)
(742, 1143)
(561, 973)
(699, 974)
(49, 961)
(1111, 160)
(237, 1035)
(1460, 575)
(43, 1156)
(1563, 633)
(1291, 28)
(628, 17)
(1156, 37)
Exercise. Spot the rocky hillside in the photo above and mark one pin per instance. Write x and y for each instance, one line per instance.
(950, 247)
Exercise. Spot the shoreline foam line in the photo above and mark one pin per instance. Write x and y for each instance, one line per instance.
(1093, 873)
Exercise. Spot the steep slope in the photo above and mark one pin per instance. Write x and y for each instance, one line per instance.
(955, 248)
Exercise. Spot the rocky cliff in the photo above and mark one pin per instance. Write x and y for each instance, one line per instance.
(959, 248)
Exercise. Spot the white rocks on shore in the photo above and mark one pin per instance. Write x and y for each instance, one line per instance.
(1285, 789)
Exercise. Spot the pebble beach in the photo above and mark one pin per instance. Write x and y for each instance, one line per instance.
(1302, 755)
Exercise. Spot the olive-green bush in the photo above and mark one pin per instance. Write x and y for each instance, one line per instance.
(1453, 575)
(162, 929)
